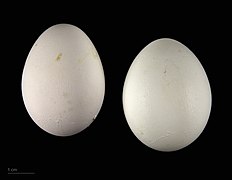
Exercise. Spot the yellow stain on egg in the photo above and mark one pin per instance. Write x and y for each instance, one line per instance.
(58, 58)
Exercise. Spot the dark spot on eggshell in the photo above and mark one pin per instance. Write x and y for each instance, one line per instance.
(94, 117)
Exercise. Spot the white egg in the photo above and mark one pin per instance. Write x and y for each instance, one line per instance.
(166, 96)
(63, 82)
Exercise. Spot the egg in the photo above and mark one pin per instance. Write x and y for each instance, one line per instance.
(166, 96)
(63, 82)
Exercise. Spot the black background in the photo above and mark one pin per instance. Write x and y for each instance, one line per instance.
(108, 146)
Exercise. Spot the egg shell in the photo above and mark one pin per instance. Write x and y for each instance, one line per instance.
(166, 96)
(63, 82)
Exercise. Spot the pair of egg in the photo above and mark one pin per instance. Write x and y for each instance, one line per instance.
(166, 94)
